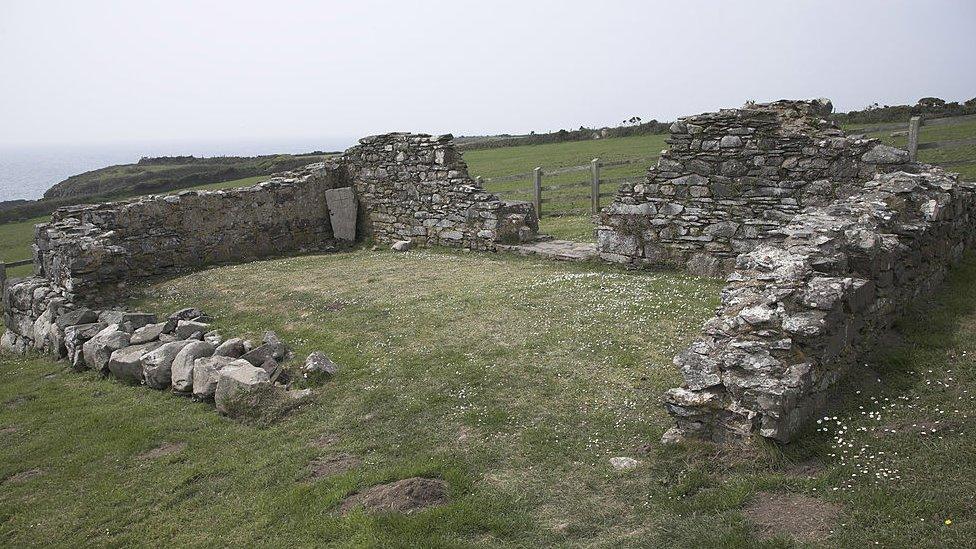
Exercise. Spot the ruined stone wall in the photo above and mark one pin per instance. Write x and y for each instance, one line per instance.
(731, 177)
(88, 249)
(804, 309)
(416, 187)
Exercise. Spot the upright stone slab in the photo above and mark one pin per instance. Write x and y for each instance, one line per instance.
(342, 212)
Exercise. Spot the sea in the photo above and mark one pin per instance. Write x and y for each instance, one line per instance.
(27, 171)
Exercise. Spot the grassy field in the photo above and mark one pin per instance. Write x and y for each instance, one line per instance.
(573, 201)
(513, 379)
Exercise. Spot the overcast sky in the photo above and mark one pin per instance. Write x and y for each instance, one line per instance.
(88, 72)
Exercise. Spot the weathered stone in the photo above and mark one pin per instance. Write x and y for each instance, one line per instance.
(75, 337)
(130, 322)
(98, 350)
(402, 245)
(233, 347)
(241, 390)
(189, 313)
(181, 372)
(150, 332)
(318, 364)
(205, 374)
(343, 208)
(185, 329)
(125, 364)
(262, 353)
(157, 365)
(76, 317)
(885, 154)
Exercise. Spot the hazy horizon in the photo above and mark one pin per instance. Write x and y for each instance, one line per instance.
(103, 73)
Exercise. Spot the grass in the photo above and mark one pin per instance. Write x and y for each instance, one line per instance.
(568, 201)
(515, 380)
(15, 244)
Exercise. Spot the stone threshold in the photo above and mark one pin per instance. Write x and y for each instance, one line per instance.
(558, 250)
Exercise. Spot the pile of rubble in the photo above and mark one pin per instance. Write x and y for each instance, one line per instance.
(181, 352)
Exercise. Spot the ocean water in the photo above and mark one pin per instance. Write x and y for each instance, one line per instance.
(26, 172)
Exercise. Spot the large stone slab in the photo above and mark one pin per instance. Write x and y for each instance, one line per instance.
(157, 365)
(205, 372)
(241, 390)
(343, 208)
(182, 370)
(125, 364)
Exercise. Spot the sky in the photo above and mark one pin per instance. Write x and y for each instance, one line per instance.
(92, 72)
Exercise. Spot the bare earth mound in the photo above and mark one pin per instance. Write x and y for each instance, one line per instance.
(797, 516)
(403, 496)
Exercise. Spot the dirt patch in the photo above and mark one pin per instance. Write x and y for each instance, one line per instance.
(333, 465)
(403, 496)
(23, 476)
(18, 401)
(325, 441)
(8, 430)
(335, 306)
(796, 516)
(164, 449)
(807, 469)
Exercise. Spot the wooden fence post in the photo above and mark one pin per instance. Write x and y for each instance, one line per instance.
(913, 125)
(595, 185)
(537, 176)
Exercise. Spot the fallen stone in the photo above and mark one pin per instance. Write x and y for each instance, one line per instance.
(233, 347)
(318, 364)
(189, 313)
(885, 154)
(213, 337)
(623, 463)
(125, 364)
(205, 374)
(186, 328)
(76, 317)
(13, 344)
(74, 339)
(131, 322)
(402, 246)
(181, 372)
(150, 332)
(157, 365)
(260, 355)
(98, 350)
(241, 390)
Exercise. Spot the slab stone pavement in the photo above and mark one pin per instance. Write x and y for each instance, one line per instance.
(560, 250)
(342, 212)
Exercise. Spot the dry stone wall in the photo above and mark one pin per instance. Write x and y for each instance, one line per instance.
(803, 309)
(87, 250)
(731, 177)
(416, 187)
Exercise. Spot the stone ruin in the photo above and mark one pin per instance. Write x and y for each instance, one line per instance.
(732, 177)
(825, 240)
(397, 187)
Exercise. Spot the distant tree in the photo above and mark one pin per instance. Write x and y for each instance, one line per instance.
(931, 103)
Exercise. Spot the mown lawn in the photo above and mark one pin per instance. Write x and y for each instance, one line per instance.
(513, 379)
